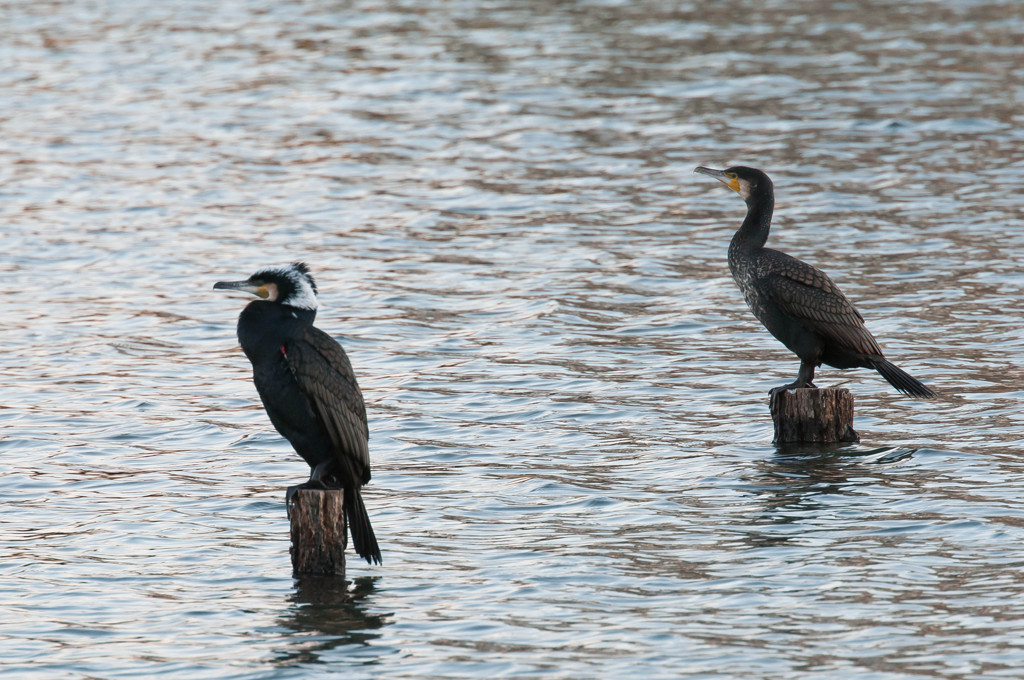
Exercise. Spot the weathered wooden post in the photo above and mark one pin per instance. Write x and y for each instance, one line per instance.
(809, 415)
(318, 531)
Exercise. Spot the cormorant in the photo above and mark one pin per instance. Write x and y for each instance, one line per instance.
(796, 302)
(308, 389)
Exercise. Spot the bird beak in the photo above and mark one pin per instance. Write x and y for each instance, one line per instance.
(719, 175)
(258, 291)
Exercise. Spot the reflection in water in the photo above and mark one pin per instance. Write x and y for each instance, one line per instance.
(791, 486)
(803, 480)
(326, 613)
(804, 484)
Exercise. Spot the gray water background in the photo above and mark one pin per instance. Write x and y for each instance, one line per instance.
(573, 471)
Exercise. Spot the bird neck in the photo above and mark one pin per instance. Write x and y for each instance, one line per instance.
(264, 327)
(753, 233)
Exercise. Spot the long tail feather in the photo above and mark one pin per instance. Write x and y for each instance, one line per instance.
(903, 381)
(363, 539)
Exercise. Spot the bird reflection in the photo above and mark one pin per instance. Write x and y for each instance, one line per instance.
(327, 612)
(795, 484)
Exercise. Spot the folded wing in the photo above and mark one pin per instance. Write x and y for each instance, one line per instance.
(808, 295)
(323, 370)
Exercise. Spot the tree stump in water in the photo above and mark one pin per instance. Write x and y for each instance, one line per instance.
(809, 415)
(318, 531)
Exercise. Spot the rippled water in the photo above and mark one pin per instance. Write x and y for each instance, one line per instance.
(573, 475)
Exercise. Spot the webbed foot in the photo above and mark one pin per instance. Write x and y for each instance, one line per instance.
(289, 494)
(774, 392)
(796, 385)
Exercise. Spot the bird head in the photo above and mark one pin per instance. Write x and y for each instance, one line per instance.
(747, 182)
(289, 284)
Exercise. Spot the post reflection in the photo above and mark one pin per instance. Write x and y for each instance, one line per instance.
(800, 483)
(328, 612)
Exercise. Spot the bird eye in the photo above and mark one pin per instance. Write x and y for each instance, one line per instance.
(731, 175)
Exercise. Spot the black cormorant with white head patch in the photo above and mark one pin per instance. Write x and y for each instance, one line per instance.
(308, 389)
(797, 303)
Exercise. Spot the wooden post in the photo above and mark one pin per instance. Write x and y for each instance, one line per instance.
(318, 531)
(809, 415)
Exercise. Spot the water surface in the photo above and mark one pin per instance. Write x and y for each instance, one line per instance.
(573, 470)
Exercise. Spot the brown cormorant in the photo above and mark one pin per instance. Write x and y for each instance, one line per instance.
(308, 389)
(796, 302)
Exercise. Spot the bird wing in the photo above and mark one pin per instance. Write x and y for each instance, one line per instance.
(807, 294)
(323, 370)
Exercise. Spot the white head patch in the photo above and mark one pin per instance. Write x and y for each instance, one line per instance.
(744, 190)
(300, 293)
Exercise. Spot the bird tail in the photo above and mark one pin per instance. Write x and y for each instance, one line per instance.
(902, 381)
(363, 539)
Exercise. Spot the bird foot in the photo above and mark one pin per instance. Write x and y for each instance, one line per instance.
(289, 494)
(776, 391)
